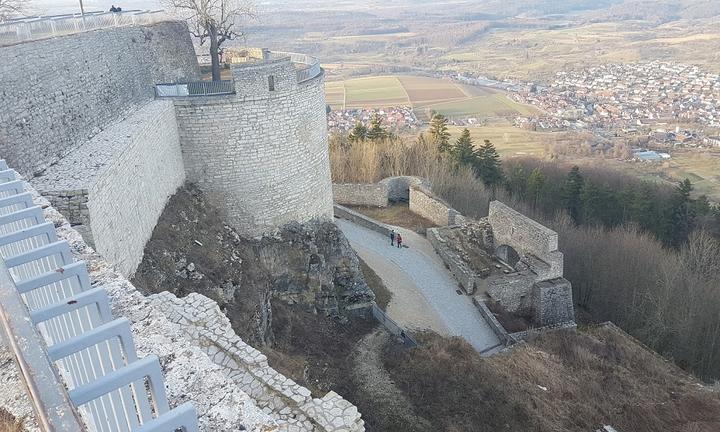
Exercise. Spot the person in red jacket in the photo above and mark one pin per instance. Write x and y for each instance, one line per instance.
(398, 238)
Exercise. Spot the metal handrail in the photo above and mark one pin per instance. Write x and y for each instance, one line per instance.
(309, 65)
(71, 352)
(196, 88)
(42, 27)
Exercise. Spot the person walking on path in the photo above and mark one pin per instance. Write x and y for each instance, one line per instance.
(399, 240)
(392, 237)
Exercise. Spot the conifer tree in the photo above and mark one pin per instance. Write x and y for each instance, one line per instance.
(489, 166)
(517, 182)
(571, 191)
(376, 131)
(536, 186)
(358, 133)
(463, 152)
(439, 133)
(681, 221)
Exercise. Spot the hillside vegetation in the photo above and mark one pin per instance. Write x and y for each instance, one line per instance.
(562, 381)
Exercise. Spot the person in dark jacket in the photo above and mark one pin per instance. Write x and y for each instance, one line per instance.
(392, 238)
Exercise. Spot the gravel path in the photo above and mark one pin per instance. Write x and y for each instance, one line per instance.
(430, 278)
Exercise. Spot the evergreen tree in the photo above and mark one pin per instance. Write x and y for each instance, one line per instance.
(517, 182)
(463, 152)
(571, 194)
(489, 166)
(358, 133)
(536, 186)
(701, 206)
(439, 133)
(681, 220)
(376, 131)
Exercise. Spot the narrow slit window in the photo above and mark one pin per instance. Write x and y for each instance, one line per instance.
(271, 82)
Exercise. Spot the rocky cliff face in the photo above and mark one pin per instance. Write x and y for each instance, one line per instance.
(311, 266)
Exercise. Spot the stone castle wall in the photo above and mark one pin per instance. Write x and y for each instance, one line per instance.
(114, 188)
(57, 93)
(360, 194)
(536, 242)
(261, 155)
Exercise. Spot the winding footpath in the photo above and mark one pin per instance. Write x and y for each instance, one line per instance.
(424, 291)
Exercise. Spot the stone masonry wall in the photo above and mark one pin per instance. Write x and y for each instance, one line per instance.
(57, 93)
(115, 187)
(527, 237)
(423, 203)
(260, 156)
(360, 194)
(292, 405)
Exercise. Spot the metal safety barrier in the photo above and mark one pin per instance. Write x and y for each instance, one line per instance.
(392, 326)
(197, 88)
(43, 27)
(73, 355)
(310, 66)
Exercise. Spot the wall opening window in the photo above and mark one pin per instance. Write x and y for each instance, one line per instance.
(271, 82)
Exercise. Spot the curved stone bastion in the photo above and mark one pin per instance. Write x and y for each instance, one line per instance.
(260, 154)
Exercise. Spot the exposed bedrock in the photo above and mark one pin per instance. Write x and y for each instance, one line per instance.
(192, 249)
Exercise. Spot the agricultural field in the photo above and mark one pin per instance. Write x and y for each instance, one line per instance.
(425, 95)
(510, 141)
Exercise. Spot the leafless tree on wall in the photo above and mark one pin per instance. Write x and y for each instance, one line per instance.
(11, 8)
(214, 21)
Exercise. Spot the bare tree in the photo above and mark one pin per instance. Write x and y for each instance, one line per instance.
(10, 8)
(214, 21)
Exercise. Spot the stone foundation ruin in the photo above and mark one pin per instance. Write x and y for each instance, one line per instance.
(506, 258)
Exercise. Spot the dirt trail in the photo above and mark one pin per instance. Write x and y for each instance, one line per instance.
(374, 381)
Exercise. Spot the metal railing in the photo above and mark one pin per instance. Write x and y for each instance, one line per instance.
(52, 315)
(392, 326)
(310, 66)
(197, 88)
(43, 27)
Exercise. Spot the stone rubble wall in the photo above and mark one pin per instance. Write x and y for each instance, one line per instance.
(115, 187)
(462, 272)
(553, 302)
(425, 204)
(58, 93)
(360, 194)
(380, 194)
(291, 404)
(513, 291)
(527, 237)
(190, 375)
(260, 156)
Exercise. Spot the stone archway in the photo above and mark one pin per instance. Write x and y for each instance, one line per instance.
(507, 254)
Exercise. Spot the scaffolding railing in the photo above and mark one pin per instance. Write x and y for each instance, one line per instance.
(74, 357)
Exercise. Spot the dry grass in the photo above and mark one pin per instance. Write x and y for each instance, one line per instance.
(561, 381)
(397, 215)
(382, 294)
(8, 423)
